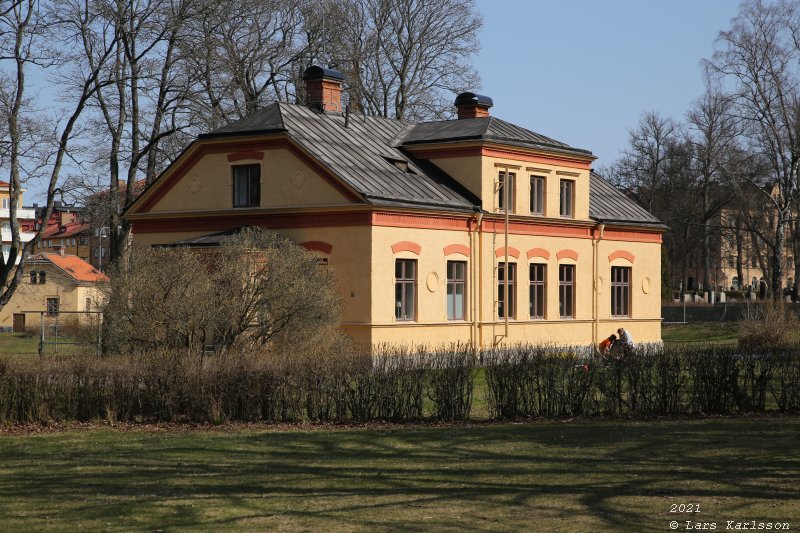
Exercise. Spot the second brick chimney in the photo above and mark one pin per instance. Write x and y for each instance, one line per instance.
(471, 105)
(324, 88)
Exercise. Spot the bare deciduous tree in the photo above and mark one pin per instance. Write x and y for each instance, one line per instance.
(759, 55)
(32, 149)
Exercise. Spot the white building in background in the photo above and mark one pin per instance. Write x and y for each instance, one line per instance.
(25, 215)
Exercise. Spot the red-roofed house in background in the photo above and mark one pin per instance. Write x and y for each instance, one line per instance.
(67, 232)
(53, 283)
(26, 217)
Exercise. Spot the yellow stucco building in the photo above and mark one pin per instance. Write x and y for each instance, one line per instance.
(470, 230)
(53, 284)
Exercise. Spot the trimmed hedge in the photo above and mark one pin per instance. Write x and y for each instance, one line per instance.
(521, 382)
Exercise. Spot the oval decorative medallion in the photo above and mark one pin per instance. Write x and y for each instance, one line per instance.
(647, 285)
(299, 179)
(194, 185)
(599, 284)
(432, 281)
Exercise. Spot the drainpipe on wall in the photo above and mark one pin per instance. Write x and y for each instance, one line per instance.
(506, 269)
(479, 314)
(597, 236)
(476, 274)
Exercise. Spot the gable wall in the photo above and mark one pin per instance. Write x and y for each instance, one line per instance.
(285, 181)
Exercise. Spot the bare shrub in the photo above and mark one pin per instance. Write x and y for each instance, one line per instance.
(257, 289)
(541, 380)
(767, 326)
(450, 379)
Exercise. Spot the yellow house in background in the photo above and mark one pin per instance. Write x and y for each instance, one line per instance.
(53, 284)
(470, 230)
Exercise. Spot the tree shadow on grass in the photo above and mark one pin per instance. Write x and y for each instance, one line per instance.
(500, 477)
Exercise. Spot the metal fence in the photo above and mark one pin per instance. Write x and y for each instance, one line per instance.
(68, 333)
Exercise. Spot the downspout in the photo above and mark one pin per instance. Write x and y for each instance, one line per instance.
(597, 236)
(476, 276)
(479, 314)
(506, 268)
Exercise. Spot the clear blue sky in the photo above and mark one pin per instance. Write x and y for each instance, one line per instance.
(584, 71)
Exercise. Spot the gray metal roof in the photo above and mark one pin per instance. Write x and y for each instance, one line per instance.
(487, 129)
(364, 153)
(359, 154)
(609, 204)
(265, 120)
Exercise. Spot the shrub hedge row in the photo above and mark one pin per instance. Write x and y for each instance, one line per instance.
(520, 382)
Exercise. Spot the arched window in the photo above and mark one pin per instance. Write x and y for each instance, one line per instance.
(735, 282)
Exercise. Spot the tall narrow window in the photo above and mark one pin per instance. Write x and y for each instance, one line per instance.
(456, 289)
(620, 291)
(537, 301)
(33, 277)
(501, 293)
(566, 291)
(42, 277)
(247, 186)
(405, 285)
(537, 195)
(503, 180)
(567, 198)
(52, 306)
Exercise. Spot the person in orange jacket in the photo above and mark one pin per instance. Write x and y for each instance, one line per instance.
(606, 344)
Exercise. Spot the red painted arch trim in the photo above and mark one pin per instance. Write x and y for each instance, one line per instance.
(245, 154)
(501, 252)
(538, 252)
(317, 246)
(621, 254)
(567, 254)
(406, 246)
(456, 249)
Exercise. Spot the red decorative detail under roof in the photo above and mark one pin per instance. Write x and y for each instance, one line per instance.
(73, 266)
(317, 246)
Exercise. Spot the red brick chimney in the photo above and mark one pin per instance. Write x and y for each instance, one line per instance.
(471, 105)
(324, 89)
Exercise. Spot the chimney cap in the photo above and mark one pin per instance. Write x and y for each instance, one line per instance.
(318, 73)
(469, 98)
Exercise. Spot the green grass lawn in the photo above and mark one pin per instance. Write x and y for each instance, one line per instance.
(21, 345)
(700, 332)
(588, 475)
(18, 344)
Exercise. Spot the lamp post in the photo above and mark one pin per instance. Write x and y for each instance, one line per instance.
(102, 232)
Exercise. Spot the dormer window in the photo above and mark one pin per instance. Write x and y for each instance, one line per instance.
(400, 164)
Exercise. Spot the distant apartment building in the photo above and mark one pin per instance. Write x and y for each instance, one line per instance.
(24, 215)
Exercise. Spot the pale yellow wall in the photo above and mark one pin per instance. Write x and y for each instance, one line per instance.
(467, 170)
(480, 175)
(285, 181)
(553, 174)
(432, 327)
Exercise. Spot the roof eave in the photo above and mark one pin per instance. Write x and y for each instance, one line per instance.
(243, 133)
